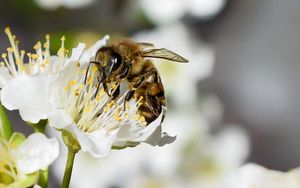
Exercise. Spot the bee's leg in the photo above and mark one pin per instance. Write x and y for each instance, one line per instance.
(131, 92)
(128, 96)
(105, 87)
(100, 80)
(116, 93)
(124, 73)
(152, 72)
(153, 104)
(88, 69)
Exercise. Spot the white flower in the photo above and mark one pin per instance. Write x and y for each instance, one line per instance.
(170, 11)
(70, 104)
(208, 161)
(252, 175)
(20, 159)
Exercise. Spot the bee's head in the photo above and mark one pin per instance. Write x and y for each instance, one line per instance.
(109, 59)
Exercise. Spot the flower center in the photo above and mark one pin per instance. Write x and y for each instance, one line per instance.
(92, 111)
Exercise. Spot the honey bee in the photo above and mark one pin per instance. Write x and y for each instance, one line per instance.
(128, 60)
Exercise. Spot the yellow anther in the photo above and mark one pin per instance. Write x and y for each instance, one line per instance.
(46, 62)
(22, 52)
(37, 45)
(78, 65)
(136, 117)
(76, 92)
(84, 72)
(7, 30)
(47, 37)
(127, 106)
(2, 64)
(107, 107)
(34, 56)
(97, 98)
(61, 52)
(87, 109)
(10, 50)
(4, 55)
(46, 45)
(89, 80)
(22, 69)
(101, 91)
(94, 69)
(66, 88)
(18, 63)
(72, 82)
(63, 38)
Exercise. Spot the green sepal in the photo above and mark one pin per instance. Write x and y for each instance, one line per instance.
(27, 181)
(43, 178)
(5, 125)
(128, 145)
(40, 126)
(69, 140)
(16, 139)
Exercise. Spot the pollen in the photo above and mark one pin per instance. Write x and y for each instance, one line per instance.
(87, 109)
(76, 92)
(9, 49)
(94, 69)
(47, 37)
(72, 82)
(84, 72)
(37, 45)
(7, 30)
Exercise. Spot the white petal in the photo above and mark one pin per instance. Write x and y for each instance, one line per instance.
(77, 52)
(4, 76)
(37, 186)
(252, 175)
(59, 118)
(97, 143)
(150, 129)
(91, 52)
(159, 138)
(57, 82)
(152, 134)
(36, 152)
(28, 94)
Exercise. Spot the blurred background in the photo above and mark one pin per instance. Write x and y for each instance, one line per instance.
(236, 101)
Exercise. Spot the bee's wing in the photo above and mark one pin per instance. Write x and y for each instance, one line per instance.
(163, 53)
(146, 44)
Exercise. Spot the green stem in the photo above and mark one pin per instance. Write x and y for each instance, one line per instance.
(40, 126)
(43, 178)
(5, 125)
(68, 169)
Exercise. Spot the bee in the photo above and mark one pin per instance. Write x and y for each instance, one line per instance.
(128, 60)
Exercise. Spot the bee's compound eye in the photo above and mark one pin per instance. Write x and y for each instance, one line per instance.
(115, 61)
